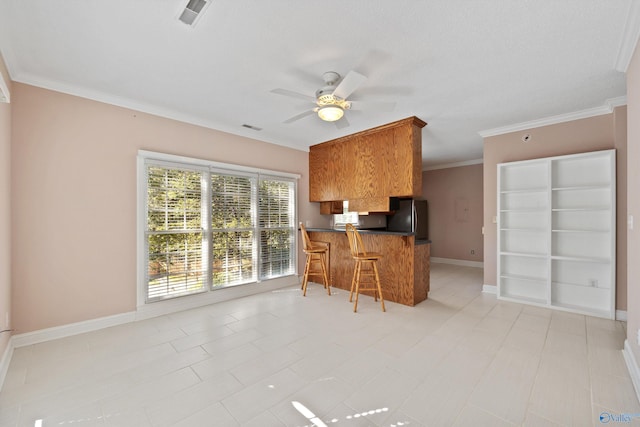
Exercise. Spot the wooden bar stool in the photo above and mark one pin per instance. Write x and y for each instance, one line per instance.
(363, 258)
(316, 261)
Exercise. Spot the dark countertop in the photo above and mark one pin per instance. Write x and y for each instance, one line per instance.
(372, 231)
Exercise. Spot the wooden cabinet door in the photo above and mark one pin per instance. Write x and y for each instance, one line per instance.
(366, 168)
(319, 174)
(338, 172)
(401, 161)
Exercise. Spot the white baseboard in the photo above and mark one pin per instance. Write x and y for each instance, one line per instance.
(5, 360)
(151, 310)
(462, 262)
(490, 289)
(621, 315)
(48, 334)
(220, 295)
(632, 366)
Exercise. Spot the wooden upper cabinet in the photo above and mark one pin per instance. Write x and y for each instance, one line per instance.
(382, 162)
(319, 182)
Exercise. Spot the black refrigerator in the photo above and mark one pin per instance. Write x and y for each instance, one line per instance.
(411, 217)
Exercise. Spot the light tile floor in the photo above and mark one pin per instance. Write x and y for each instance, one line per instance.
(461, 358)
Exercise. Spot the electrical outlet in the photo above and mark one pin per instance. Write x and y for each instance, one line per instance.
(593, 283)
(473, 252)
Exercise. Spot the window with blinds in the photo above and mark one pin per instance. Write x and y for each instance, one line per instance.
(175, 244)
(233, 229)
(276, 217)
(208, 228)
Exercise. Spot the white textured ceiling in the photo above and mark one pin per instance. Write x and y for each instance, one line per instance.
(463, 66)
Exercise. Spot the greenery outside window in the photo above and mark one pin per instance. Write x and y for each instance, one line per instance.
(174, 232)
(207, 228)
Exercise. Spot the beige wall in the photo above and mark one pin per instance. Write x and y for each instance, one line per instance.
(5, 211)
(74, 199)
(591, 134)
(633, 202)
(455, 211)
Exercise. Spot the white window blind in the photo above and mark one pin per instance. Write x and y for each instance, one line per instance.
(174, 232)
(233, 228)
(207, 228)
(277, 227)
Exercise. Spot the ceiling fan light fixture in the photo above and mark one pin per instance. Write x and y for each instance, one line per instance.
(330, 113)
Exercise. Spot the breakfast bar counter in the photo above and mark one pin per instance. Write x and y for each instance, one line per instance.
(403, 268)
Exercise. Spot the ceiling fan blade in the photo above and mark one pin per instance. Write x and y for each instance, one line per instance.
(342, 123)
(349, 84)
(377, 106)
(293, 94)
(299, 116)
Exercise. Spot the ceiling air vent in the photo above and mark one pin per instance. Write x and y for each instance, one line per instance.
(193, 10)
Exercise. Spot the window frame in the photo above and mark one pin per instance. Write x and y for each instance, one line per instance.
(144, 158)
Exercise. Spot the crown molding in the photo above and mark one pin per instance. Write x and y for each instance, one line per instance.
(454, 165)
(123, 102)
(607, 108)
(5, 95)
(630, 36)
(616, 102)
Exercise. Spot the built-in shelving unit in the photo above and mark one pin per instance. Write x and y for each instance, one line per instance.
(556, 232)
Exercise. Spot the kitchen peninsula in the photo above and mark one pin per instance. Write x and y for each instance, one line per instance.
(403, 268)
(372, 169)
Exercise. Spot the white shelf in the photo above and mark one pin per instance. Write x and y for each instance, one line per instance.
(556, 240)
(526, 210)
(524, 254)
(518, 277)
(585, 209)
(577, 285)
(583, 187)
(579, 231)
(581, 259)
(534, 230)
(525, 190)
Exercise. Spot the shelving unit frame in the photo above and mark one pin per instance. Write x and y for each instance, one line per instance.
(556, 232)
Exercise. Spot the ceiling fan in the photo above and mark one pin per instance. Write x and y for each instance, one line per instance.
(331, 99)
